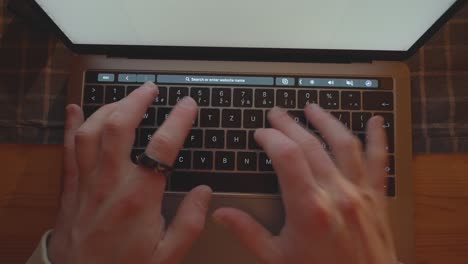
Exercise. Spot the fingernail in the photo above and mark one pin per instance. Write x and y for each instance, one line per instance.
(151, 85)
(314, 106)
(379, 120)
(205, 195)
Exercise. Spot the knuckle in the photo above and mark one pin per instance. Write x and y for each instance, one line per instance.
(130, 204)
(83, 135)
(318, 209)
(115, 125)
(351, 204)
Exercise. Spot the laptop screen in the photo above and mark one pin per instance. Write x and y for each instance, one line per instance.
(379, 25)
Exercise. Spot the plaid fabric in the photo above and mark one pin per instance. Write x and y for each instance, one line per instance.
(34, 67)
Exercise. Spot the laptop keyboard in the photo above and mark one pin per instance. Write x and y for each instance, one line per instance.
(220, 150)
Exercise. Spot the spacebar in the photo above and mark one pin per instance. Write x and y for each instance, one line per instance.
(183, 181)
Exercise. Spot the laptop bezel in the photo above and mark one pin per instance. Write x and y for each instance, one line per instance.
(246, 54)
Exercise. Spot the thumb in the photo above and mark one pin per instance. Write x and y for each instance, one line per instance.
(258, 240)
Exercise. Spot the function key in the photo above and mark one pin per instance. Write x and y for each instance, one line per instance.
(285, 81)
(305, 97)
(105, 77)
(221, 97)
(93, 94)
(329, 99)
(201, 95)
(127, 78)
(380, 101)
(243, 97)
(114, 93)
(176, 94)
(350, 100)
(264, 98)
(142, 78)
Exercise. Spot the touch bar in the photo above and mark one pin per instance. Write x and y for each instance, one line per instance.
(214, 79)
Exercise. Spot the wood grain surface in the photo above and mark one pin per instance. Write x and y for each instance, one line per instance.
(30, 187)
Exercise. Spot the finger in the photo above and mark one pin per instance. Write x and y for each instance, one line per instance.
(119, 128)
(321, 165)
(167, 141)
(294, 175)
(186, 226)
(344, 145)
(88, 140)
(249, 232)
(376, 155)
(73, 121)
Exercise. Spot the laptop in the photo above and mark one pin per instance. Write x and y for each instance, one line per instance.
(238, 59)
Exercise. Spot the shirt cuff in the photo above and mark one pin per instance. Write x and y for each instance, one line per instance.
(40, 254)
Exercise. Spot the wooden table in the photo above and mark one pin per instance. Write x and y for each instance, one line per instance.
(30, 183)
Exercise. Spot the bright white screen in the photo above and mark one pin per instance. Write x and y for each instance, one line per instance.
(296, 24)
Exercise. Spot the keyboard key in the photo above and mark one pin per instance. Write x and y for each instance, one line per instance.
(344, 117)
(305, 97)
(149, 118)
(329, 99)
(221, 97)
(253, 118)
(350, 100)
(135, 153)
(286, 98)
(183, 160)
(163, 114)
(236, 139)
(184, 181)
(264, 98)
(299, 117)
(390, 142)
(231, 118)
(390, 186)
(161, 99)
(130, 89)
(214, 139)
(252, 143)
(93, 94)
(267, 122)
(388, 121)
(135, 140)
(246, 161)
(390, 169)
(202, 160)
(359, 120)
(243, 97)
(381, 101)
(201, 95)
(194, 139)
(114, 93)
(224, 160)
(264, 163)
(88, 110)
(176, 94)
(145, 135)
(209, 117)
